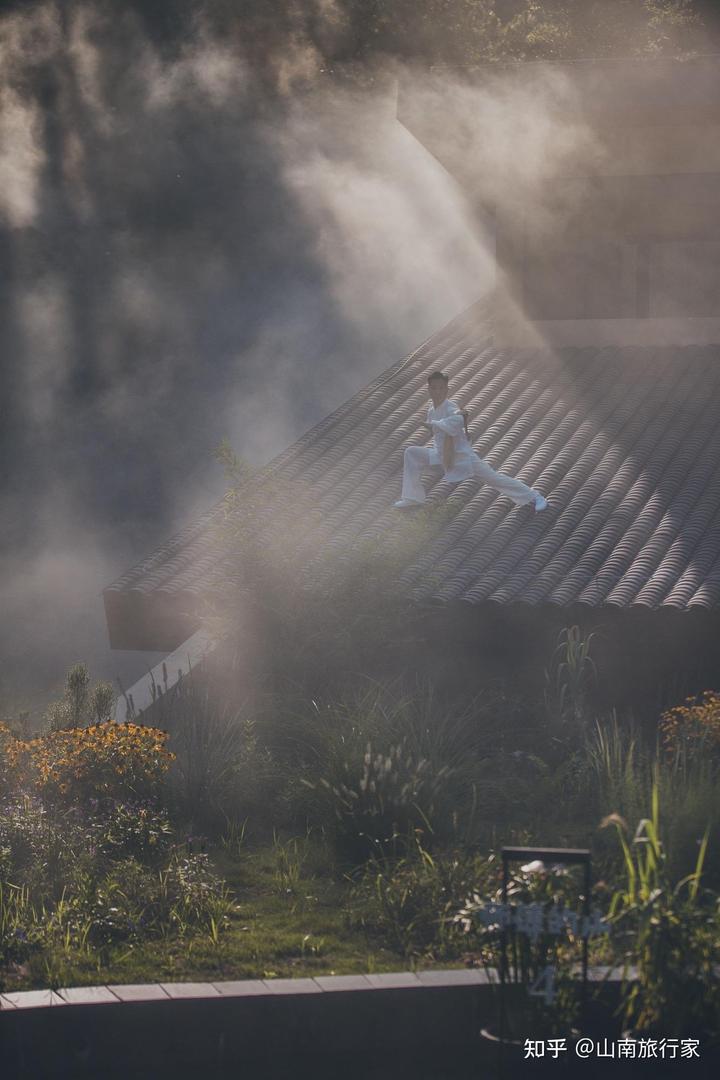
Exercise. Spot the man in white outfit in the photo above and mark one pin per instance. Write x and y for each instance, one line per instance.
(453, 452)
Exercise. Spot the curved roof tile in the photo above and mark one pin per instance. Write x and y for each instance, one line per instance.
(623, 441)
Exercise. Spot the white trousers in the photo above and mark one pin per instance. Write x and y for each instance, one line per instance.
(417, 460)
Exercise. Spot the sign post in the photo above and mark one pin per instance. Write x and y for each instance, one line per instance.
(551, 857)
(538, 922)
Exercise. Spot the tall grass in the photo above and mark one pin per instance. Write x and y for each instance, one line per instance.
(412, 899)
(624, 771)
(390, 759)
(570, 677)
(290, 857)
(619, 765)
(672, 930)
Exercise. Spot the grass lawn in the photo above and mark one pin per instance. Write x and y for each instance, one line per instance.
(281, 926)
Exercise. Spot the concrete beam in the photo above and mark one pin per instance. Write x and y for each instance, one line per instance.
(184, 658)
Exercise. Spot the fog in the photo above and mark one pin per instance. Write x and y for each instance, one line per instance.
(194, 248)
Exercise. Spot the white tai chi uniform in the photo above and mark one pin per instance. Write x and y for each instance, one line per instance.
(447, 420)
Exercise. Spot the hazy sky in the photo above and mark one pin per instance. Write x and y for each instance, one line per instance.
(183, 259)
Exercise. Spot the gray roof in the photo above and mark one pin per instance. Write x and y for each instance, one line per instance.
(623, 441)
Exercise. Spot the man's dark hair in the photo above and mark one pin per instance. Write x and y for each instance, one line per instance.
(438, 375)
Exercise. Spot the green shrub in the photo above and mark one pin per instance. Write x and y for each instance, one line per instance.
(374, 767)
(80, 705)
(40, 852)
(209, 742)
(191, 895)
(132, 902)
(380, 802)
(132, 830)
(18, 922)
(220, 771)
(615, 771)
(413, 899)
(671, 929)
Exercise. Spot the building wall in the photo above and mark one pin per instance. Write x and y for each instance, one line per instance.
(647, 661)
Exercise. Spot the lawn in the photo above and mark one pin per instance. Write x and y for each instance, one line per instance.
(277, 926)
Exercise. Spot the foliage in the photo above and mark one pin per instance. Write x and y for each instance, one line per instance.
(385, 799)
(384, 761)
(17, 724)
(531, 945)
(132, 830)
(221, 770)
(614, 771)
(290, 858)
(88, 878)
(413, 898)
(215, 765)
(233, 837)
(106, 902)
(79, 704)
(693, 727)
(470, 766)
(131, 902)
(39, 853)
(554, 29)
(672, 933)
(17, 918)
(7, 739)
(46, 852)
(105, 761)
(570, 678)
(617, 770)
(191, 894)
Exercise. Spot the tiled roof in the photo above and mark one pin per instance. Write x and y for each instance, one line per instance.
(623, 441)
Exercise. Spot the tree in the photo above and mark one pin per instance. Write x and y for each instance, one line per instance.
(79, 706)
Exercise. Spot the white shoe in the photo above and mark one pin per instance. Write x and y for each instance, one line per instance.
(403, 504)
(540, 502)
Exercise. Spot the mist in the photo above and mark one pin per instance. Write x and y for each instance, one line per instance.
(193, 248)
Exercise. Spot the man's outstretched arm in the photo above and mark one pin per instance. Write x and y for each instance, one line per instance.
(450, 425)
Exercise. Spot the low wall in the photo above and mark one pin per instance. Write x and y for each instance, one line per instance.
(424, 1025)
